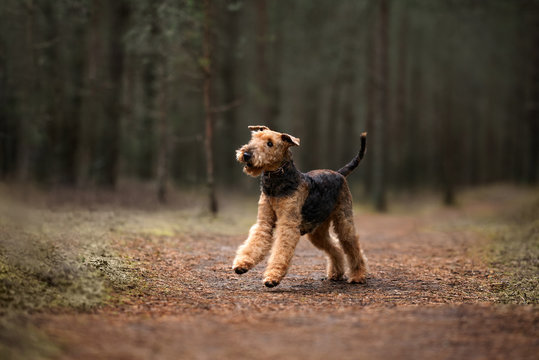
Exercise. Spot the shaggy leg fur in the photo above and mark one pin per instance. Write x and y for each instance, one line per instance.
(283, 249)
(343, 224)
(321, 238)
(259, 241)
(287, 235)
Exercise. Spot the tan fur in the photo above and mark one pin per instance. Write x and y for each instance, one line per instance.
(322, 239)
(279, 218)
(266, 158)
(343, 225)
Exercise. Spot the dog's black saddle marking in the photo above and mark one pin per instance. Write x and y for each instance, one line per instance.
(324, 187)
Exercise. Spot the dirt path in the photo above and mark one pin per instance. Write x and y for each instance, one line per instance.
(426, 297)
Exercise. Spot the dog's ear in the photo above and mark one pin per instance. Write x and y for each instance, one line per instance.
(258, 127)
(290, 139)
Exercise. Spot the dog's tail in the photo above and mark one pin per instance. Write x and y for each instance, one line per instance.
(348, 168)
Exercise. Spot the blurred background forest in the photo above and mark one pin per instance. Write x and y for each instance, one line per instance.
(95, 92)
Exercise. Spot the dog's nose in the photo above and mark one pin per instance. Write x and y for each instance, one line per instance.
(247, 156)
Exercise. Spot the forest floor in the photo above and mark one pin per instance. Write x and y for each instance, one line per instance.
(434, 291)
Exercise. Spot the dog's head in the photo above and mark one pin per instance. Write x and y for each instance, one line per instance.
(266, 151)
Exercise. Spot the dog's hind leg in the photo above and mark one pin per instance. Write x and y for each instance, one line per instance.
(321, 238)
(259, 241)
(343, 223)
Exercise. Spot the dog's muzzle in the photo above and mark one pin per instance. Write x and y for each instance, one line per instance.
(247, 156)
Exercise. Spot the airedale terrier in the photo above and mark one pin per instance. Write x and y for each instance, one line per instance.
(292, 204)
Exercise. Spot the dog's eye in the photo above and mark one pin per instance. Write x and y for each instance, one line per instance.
(270, 144)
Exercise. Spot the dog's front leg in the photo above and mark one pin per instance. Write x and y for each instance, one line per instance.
(287, 235)
(259, 241)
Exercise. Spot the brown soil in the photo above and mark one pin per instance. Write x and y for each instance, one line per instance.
(426, 297)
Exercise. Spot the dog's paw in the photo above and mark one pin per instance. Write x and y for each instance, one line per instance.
(359, 279)
(240, 270)
(336, 277)
(271, 283)
(241, 266)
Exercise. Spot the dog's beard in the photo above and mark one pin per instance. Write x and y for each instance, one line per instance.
(248, 167)
(252, 170)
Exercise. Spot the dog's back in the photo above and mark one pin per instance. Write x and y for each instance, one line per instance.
(324, 187)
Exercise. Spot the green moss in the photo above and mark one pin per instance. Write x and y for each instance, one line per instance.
(513, 254)
(48, 278)
(57, 260)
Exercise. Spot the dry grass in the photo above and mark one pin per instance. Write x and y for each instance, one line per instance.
(514, 254)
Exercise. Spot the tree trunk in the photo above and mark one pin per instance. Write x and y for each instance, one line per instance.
(532, 106)
(370, 105)
(8, 119)
(349, 145)
(164, 137)
(332, 121)
(261, 63)
(145, 162)
(230, 74)
(398, 116)
(73, 115)
(274, 105)
(146, 135)
(448, 143)
(118, 16)
(208, 114)
(379, 148)
(47, 165)
(413, 121)
(310, 154)
(29, 116)
(91, 103)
